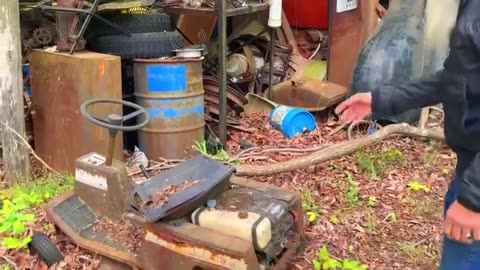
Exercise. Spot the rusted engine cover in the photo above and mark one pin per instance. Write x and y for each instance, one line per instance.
(188, 247)
(60, 84)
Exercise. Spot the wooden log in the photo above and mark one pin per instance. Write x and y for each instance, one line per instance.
(15, 153)
(337, 150)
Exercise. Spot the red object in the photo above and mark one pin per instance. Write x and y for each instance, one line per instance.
(307, 13)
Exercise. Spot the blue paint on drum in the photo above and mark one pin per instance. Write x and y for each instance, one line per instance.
(166, 78)
(176, 109)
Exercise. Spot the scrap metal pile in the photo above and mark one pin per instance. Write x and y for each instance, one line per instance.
(209, 3)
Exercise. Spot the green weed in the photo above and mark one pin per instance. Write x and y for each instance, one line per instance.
(367, 164)
(218, 153)
(392, 217)
(353, 190)
(372, 201)
(309, 206)
(371, 222)
(416, 186)
(334, 220)
(17, 200)
(323, 261)
(430, 158)
(376, 164)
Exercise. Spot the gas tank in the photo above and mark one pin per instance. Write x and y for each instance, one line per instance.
(388, 56)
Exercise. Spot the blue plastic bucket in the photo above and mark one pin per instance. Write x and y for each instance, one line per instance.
(291, 121)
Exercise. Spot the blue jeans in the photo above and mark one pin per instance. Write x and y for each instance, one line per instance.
(455, 255)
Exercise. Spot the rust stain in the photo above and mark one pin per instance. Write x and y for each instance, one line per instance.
(61, 123)
(101, 68)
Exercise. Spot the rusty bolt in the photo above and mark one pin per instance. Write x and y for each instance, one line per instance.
(243, 214)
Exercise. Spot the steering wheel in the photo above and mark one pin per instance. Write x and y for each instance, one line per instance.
(115, 121)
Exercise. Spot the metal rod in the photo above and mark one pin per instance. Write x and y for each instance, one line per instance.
(221, 10)
(111, 147)
(270, 75)
(87, 11)
(84, 26)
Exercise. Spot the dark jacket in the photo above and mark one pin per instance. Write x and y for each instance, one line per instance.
(457, 87)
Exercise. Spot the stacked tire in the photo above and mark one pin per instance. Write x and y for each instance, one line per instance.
(152, 36)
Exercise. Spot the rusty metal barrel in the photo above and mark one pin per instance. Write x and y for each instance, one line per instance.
(172, 91)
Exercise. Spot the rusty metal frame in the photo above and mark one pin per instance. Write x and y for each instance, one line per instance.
(90, 12)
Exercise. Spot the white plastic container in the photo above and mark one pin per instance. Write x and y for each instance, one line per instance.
(235, 224)
(275, 14)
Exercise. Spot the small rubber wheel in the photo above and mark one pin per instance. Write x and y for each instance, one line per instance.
(46, 250)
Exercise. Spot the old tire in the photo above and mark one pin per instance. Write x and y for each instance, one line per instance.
(45, 249)
(140, 45)
(134, 23)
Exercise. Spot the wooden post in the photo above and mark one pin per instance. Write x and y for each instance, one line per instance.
(15, 153)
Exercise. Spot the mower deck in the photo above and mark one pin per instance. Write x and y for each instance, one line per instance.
(77, 221)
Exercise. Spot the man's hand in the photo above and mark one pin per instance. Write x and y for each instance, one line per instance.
(356, 108)
(462, 224)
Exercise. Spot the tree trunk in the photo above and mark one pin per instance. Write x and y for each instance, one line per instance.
(337, 150)
(15, 154)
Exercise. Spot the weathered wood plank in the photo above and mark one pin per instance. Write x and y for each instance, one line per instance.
(15, 153)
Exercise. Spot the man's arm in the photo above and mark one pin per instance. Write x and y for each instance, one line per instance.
(395, 99)
(469, 191)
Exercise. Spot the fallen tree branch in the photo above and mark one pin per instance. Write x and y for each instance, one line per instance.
(338, 150)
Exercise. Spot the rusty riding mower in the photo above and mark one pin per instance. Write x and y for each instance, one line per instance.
(218, 221)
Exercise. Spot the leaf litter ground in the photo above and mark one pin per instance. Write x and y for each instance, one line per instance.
(367, 207)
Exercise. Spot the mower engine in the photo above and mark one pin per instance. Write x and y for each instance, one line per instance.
(250, 215)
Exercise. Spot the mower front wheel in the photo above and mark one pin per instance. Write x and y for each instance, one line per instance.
(46, 250)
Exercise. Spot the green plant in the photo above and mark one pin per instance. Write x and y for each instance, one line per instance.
(367, 164)
(17, 200)
(372, 201)
(371, 222)
(323, 261)
(430, 158)
(334, 220)
(14, 220)
(416, 186)
(217, 153)
(353, 190)
(309, 206)
(393, 217)
(376, 164)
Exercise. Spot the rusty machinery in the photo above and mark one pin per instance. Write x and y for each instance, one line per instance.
(68, 16)
(219, 222)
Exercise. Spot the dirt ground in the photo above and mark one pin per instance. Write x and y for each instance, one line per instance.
(381, 206)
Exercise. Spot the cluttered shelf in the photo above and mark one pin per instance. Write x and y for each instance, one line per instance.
(231, 11)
